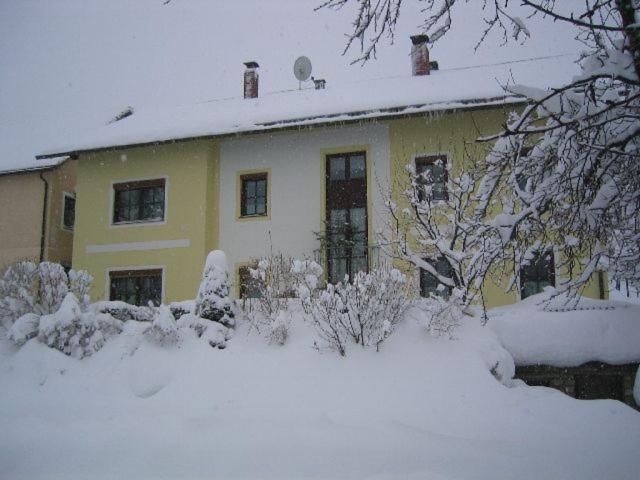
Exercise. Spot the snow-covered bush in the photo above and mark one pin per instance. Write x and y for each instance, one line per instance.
(443, 314)
(53, 286)
(74, 332)
(178, 309)
(124, 311)
(24, 328)
(27, 287)
(79, 284)
(214, 333)
(278, 279)
(18, 291)
(365, 310)
(164, 329)
(213, 301)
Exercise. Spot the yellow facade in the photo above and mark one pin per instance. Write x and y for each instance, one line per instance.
(190, 170)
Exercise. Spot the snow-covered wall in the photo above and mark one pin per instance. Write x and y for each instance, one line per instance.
(295, 164)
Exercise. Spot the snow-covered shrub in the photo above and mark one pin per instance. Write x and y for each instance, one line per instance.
(53, 286)
(213, 301)
(214, 333)
(79, 284)
(124, 311)
(24, 328)
(27, 287)
(18, 291)
(306, 275)
(443, 314)
(366, 310)
(329, 317)
(178, 309)
(76, 333)
(164, 329)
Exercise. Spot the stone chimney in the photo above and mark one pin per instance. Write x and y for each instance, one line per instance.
(251, 80)
(419, 55)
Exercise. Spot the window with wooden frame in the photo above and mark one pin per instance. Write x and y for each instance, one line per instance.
(68, 211)
(431, 171)
(139, 201)
(429, 283)
(248, 285)
(136, 287)
(253, 194)
(346, 215)
(538, 274)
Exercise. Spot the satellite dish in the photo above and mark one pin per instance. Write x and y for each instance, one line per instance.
(302, 68)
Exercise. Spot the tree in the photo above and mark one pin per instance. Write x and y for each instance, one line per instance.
(566, 169)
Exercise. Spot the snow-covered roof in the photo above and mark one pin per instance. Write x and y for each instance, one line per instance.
(386, 97)
(44, 164)
(556, 332)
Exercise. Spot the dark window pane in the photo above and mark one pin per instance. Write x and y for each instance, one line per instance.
(139, 201)
(137, 287)
(432, 171)
(357, 166)
(336, 168)
(69, 214)
(429, 283)
(254, 195)
(540, 273)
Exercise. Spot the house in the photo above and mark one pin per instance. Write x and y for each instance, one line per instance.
(157, 190)
(38, 213)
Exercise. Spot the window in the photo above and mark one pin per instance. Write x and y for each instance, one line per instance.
(432, 171)
(253, 197)
(346, 208)
(538, 274)
(429, 283)
(68, 211)
(250, 287)
(136, 287)
(140, 201)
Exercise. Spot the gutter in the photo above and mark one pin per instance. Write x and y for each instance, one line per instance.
(45, 204)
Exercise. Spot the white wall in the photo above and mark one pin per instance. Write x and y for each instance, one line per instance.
(295, 160)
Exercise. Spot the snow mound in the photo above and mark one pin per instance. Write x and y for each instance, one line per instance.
(536, 331)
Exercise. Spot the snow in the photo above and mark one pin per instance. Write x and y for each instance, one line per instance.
(421, 408)
(536, 332)
(379, 98)
(636, 387)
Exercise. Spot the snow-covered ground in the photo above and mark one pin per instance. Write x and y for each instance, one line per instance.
(421, 408)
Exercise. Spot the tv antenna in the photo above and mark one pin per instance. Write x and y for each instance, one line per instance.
(302, 70)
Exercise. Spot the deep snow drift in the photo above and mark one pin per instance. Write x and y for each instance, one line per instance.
(422, 408)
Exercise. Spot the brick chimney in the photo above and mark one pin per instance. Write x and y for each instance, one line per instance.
(251, 80)
(419, 55)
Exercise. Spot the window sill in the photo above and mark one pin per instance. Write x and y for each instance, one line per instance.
(265, 216)
(138, 223)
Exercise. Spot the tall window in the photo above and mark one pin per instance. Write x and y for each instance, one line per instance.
(141, 201)
(346, 222)
(68, 211)
(429, 283)
(254, 195)
(432, 171)
(136, 287)
(538, 274)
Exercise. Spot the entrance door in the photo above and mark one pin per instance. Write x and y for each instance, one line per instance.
(346, 222)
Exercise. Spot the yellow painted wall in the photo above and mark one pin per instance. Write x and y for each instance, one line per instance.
(192, 180)
(454, 134)
(22, 200)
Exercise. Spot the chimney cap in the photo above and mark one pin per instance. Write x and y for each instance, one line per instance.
(251, 64)
(419, 39)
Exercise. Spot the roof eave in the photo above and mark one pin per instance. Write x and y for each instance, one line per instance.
(338, 118)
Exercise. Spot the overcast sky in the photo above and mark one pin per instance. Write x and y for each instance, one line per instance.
(70, 65)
